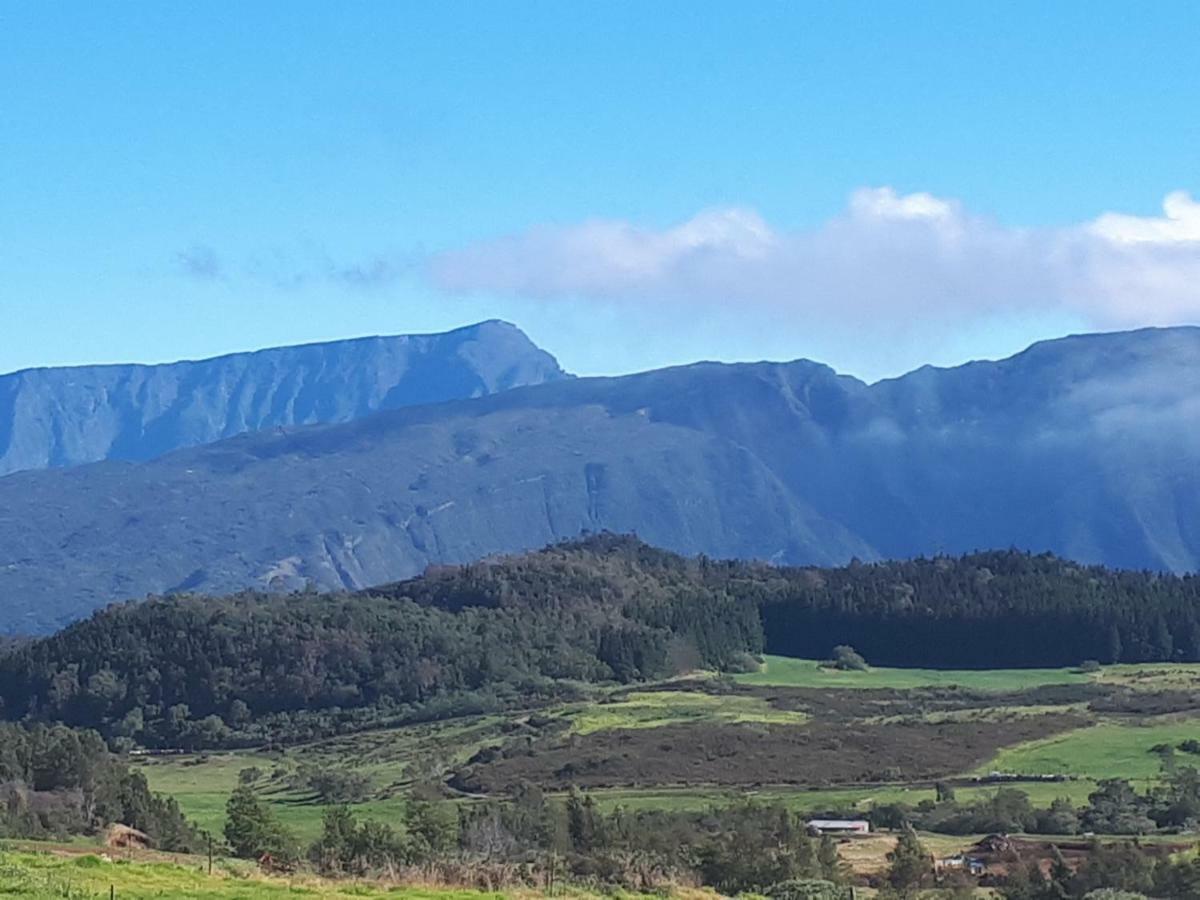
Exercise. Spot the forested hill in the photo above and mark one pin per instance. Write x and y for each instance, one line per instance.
(194, 671)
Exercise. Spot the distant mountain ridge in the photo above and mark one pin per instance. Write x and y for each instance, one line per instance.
(57, 417)
(1087, 446)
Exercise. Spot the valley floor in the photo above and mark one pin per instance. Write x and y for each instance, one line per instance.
(811, 738)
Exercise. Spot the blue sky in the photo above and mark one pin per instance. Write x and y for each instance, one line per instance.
(635, 184)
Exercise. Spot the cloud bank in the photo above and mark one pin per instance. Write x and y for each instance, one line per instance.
(886, 257)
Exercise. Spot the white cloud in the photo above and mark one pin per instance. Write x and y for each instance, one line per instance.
(889, 257)
(885, 203)
(1180, 223)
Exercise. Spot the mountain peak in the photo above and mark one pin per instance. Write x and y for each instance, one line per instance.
(55, 417)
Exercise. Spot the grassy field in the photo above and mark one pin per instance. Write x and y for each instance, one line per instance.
(92, 877)
(1106, 750)
(391, 759)
(782, 671)
(651, 709)
(203, 789)
(395, 759)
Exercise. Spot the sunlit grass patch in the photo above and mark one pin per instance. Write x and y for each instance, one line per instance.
(91, 877)
(646, 709)
(1153, 676)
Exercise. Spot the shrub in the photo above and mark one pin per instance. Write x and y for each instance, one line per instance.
(847, 658)
(742, 663)
(807, 889)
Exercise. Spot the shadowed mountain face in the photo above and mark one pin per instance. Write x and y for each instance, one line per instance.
(1088, 446)
(67, 416)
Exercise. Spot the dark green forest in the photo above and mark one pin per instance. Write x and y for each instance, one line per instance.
(254, 668)
(999, 609)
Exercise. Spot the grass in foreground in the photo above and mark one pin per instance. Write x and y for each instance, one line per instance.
(45, 875)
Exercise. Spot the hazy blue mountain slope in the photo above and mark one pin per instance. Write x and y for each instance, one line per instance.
(379, 499)
(1088, 447)
(67, 416)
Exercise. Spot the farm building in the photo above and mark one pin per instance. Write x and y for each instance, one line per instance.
(839, 826)
(972, 865)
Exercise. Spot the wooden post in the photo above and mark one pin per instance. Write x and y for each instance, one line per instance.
(210, 854)
(112, 892)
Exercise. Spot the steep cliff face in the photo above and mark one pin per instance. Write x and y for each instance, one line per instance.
(1088, 447)
(67, 416)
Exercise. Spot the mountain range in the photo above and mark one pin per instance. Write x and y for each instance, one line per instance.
(67, 416)
(1087, 446)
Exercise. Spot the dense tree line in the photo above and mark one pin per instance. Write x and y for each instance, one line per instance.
(1115, 807)
(252, 668)
(532, 837)
(57, 781)
(1120, 871)
(1001, 609)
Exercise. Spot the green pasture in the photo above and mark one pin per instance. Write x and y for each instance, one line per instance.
(203, 787)
(392, 760)
(395, 759)
(782, 671)
(1106, 750)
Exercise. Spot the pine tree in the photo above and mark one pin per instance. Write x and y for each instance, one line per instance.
(1059, 886)
(910, 866)
(251, 829)
(829, 864)
(335, 848)
(581, 821)
(1115, 649)
(1164, 644)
